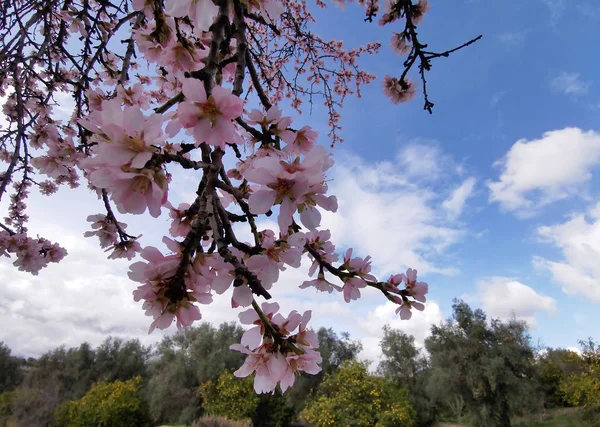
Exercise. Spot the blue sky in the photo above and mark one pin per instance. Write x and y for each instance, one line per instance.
(494, 198)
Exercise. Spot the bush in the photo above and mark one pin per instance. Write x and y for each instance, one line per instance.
(353, 397)
(583, 389)
(230, 397)
(6, 402)
(220, 422)
(115, 404)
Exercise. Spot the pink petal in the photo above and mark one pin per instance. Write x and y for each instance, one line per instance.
(261, 201)
(193, 89)
(252, 338)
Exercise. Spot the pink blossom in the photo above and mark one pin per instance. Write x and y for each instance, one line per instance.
(399, 44)
(302, 141)
(320, 242)
(253, 336)
(31, 254)
(269, 367)
(201, 12)
(133, 192)
(127, 249)
(181, 222)
(352, 288)
(419, 11)
(398, 92)
(295, 185)
(209, 119)
(405, 309)
(104, 229)
(124, 136)
(415, 289)
(321, 285)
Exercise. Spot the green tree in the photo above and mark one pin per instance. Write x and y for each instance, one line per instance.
(185, 360)
(69, 371)
(583, 389)
(10, 369)
(404, 364)
(554, 366)
(116, 359)
(229, 397)
(354, 397)
(487, 365)
(335, 350)
(114, 404)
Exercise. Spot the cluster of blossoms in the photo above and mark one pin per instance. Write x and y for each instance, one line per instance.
(121, 137)
(275, 352)
(31, 254)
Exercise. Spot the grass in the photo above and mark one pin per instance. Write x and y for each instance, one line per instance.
(561, 417)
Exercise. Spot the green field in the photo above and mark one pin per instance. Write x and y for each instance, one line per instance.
(562, 417)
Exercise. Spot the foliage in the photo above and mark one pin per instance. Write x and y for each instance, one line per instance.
(354, 397)
(115, 404)
(554, 366)
(489, 365)
(182, 362)
(234, 399)
(34, 407)
(117, 359)
(405, 365)
(228, 397)
(220, 422)
(140, 72)
(583, 389)
(10, 372)
(335, 350)
(6, 403)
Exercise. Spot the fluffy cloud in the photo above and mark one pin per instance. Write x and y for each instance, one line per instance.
(570, 84)
(579, 240)
(419, 326)
(541, 171)
(589, 11)
(456, 202)
(399, 223)
(504, 298)
(556, 9)
(512, 39)
(87, 297)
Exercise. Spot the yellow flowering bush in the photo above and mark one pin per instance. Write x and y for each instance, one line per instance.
(229, 397)
(354, 397)
(114, 404)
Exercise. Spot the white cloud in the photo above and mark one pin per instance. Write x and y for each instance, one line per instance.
(579, 240)
(399, 224)
(589, 11)
(419, 326)
(505, 298)
(570, 84)
(87, 298)
(541, 171)
(556, 8)
(497, 97)
(512, 39)
(422, 160)
(456, 202)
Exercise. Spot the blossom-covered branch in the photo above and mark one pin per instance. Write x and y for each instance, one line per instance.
(169, 86)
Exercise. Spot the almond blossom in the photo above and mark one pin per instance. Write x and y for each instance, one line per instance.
(209, 119)
(201, 12)
(222, 72)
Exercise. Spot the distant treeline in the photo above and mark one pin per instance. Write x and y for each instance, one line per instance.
(476, 371)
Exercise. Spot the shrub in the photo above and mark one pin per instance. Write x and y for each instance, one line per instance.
(230, 397)
(354, 397)
(220, 422)
(114, 404)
